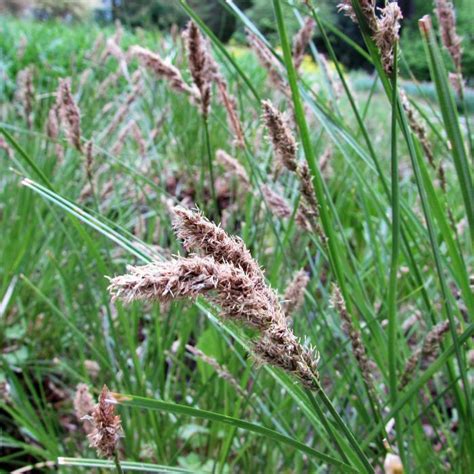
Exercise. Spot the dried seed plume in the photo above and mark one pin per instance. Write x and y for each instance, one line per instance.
(301, 41)
(228, 277)
(447, 22)
(164, 69)
(422, 355)
(294, 293)
(69, 113)
(200, 65)
(107, 426)
(358, 348)
(233, 168)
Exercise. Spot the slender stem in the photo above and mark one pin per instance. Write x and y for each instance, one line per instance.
(117, 463)
(334, 257)
(326, 424)
(211, 166)
(345, 429)
(392, 287)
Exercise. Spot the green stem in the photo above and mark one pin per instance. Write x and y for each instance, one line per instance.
(320, 195)
(326, 424)
(392, 287)
(211, 166)
(117, 463)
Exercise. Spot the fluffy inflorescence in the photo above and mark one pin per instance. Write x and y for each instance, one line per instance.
(233, 168)
(358, 348)
(294, 293)
(447, 22)
(221, 370)
(367, 8)
(83, 406)
(107, 426)
(301, 40)
(201, 66)
(268, 61)
(25, 93)
(387, 33)
(285, 148)
(227, 276)
(69, 113)
(425, 353)
(280, 135)
(163, 69)
(384, 29)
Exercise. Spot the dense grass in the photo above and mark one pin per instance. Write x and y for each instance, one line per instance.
(59, 243)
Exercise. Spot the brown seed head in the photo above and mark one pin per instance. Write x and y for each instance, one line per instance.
(368, 12)
(358, 348)
(107, 426)
(199, 234)
(447, 22)
(83, 406)
(424, 354)
(387, 33)
(165, 70)
(233, 168)
(69, 113)
(201, 66)
(280, 135)
(294, 293)
(301, 40)
(25, 93)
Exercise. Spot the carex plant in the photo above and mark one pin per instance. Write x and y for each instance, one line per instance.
(276, 272)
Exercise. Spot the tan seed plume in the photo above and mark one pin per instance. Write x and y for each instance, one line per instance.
(229, 103)
(107, 426)
(285, 148)
(294, 293)
(233, 168)
(447, 22)
(200, 65)
(199, 234)
(227, 276)
(280, 135)
(165, 70)
(358, 348)
(83, 406)
(420, 131)
(69, 113)
(124, 108)
(222, 371)
(281, 209)
(387, 33)
(301, 41)
(384, 30)
(6, 148)
(25, 93)
(422, 355)
(367, 8)
(268, 62)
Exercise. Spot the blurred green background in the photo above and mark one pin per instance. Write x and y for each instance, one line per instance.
(163, 14)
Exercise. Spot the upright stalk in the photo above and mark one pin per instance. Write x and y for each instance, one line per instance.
(325, 220)
(211, 166)
(392, 287)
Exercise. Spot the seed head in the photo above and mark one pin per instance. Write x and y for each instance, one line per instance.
(107, 426)
(200, 65)
(447, 22)
(301, 40)
(387, 33)
(165, 70)
(294, 293)
(69, 113)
